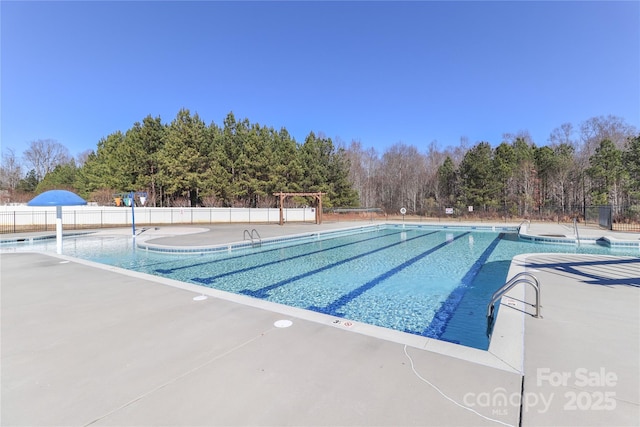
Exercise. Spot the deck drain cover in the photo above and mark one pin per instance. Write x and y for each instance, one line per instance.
(283, 323)
(200, 298)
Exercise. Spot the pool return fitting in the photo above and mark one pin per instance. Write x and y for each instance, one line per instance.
(523, 277)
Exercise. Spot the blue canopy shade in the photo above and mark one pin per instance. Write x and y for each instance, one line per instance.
(57, 198)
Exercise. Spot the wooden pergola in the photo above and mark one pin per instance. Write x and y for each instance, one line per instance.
(317, 196)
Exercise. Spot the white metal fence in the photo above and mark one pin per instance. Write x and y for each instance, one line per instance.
(15, 219)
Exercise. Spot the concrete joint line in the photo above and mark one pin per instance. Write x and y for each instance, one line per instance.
(185, 374)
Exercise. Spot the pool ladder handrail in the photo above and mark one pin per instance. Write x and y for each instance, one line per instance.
(523, 277)
(253, 236)
(522, 223)
(575, 227)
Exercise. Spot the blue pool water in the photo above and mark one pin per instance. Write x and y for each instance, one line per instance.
(424, 281)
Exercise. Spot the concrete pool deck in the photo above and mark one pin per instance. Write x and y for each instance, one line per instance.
(84, 344)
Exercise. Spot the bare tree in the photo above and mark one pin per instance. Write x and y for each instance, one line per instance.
(457, 154)
(356, 169)
(364, 164)
(523, 135)
(43, 155)
(82, 157)
(563, 135)
(525, 174)
(596, 129)
(434, 158)
(592, 132)
(401, 179)
(565, 176)
(10, 170)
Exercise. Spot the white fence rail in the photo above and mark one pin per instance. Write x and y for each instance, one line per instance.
(24, 218)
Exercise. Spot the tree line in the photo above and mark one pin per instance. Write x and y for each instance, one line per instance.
(189, 163)
(241, 164)
(595, 164)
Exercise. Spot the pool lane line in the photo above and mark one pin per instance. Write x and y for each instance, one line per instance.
(332, 308)
(211, 279)
(440, 320)
(171, 270)
(264, 292)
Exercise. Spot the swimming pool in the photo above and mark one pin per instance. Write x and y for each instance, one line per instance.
(421, 280)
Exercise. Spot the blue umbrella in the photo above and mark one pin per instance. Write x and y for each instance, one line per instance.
(57, 198)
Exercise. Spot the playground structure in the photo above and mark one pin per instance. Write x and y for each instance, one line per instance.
(126, 199)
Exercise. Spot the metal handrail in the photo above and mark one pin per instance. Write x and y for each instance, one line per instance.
(253, 235)
(520, 226)
(575, 227)
(254, 231)
(523, 277)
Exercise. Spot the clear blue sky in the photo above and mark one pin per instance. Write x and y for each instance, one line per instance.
(378, 72)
